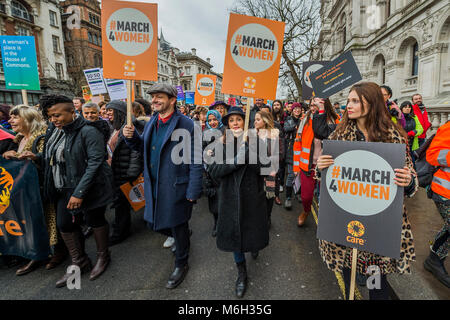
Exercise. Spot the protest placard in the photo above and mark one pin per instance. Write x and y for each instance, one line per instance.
(335, 76)
(252, 56)
(190, 97)
(205, 89)
(20, 64)
(180, 93)
(94, 78)
(117, 89)
(129, 40)
(309, 67)
(360, 204)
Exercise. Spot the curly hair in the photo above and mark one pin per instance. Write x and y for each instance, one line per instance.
(49, 100)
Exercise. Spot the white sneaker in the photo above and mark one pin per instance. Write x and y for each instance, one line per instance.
(281, 189)
(169, 242)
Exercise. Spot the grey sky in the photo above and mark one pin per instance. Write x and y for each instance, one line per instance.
(200, 24)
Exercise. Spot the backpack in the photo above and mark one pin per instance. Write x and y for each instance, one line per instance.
(424, 170)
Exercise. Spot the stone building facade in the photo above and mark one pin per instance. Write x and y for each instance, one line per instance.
(42, 20)
(401, 43)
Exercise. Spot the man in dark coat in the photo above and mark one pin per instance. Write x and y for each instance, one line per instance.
(170, 189)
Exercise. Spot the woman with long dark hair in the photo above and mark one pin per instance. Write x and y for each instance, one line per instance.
(367, 119)
(126, 165)
(317, 124)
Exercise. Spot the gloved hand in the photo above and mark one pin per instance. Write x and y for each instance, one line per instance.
(411, 134)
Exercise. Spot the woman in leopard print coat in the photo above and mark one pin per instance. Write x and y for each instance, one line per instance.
(31, 128)
(366, 119)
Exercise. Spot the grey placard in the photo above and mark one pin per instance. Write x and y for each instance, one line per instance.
(380, 217)
(335, 76)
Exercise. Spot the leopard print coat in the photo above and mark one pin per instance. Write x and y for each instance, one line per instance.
(337, 257)
(49, 208)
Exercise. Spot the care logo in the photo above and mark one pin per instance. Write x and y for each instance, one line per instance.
(6, 184)
(361, 182)
(356, 228)
(130, 37)
(129, 66)
(250, 83)
(254, 47)
(205, 86)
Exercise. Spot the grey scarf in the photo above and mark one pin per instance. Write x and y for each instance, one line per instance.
(55, 152)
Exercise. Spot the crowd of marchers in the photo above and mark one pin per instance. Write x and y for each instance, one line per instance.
(84, 152)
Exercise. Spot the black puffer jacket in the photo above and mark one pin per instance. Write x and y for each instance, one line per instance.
(126, 164)
(290, 130)
(88, 175)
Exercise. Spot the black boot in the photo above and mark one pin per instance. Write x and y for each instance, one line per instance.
(214, 231)
(241, 282)
(75, 244)
(436, 266)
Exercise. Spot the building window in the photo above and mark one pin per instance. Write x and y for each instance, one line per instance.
(19, 10)
(94, 19)
(90, 37)
(59, 71)
(21, 31)
(188, 71)
(56, 47)
(415, 59)
(53, 18)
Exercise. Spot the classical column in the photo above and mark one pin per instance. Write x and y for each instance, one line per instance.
(356, 18)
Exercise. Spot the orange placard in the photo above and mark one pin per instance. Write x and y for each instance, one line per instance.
(252, 57)
(134, 192)
(129, 40)
(205, 89)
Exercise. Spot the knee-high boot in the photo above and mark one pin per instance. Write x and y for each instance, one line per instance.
(75, 244)
(103, 255)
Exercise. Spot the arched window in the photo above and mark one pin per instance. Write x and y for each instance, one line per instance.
(415, 60)
(19, 10)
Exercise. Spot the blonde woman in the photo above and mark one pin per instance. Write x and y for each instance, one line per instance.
(264, 125)
(31, 128)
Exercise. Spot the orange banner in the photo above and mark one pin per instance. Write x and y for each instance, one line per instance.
(252, 57)
(205, 89)
(129, 40)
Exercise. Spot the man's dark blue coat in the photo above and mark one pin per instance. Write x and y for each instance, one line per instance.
(175, 183)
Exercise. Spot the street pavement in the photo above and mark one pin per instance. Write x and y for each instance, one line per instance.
(290, 268)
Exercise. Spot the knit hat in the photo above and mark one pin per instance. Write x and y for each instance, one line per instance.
(295, 105)
(118, 105)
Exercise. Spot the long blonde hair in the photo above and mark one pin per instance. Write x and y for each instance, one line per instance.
(269, 125)
(33, 119)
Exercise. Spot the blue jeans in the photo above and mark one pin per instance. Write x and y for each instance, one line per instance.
(239, 257)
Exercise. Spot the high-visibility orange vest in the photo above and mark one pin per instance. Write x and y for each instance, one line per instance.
(302, 148)
(438, 154)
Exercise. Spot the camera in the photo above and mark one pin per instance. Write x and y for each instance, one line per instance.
(392, 111)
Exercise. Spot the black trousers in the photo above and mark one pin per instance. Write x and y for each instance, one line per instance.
(374, 294)
(181, 234)
(70, 220)
(122, 217)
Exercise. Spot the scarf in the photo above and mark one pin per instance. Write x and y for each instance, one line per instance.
(216, 114)
(55, 152)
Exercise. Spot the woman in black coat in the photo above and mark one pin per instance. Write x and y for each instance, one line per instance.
(242, 224)
(78, 179)
(127, 165)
